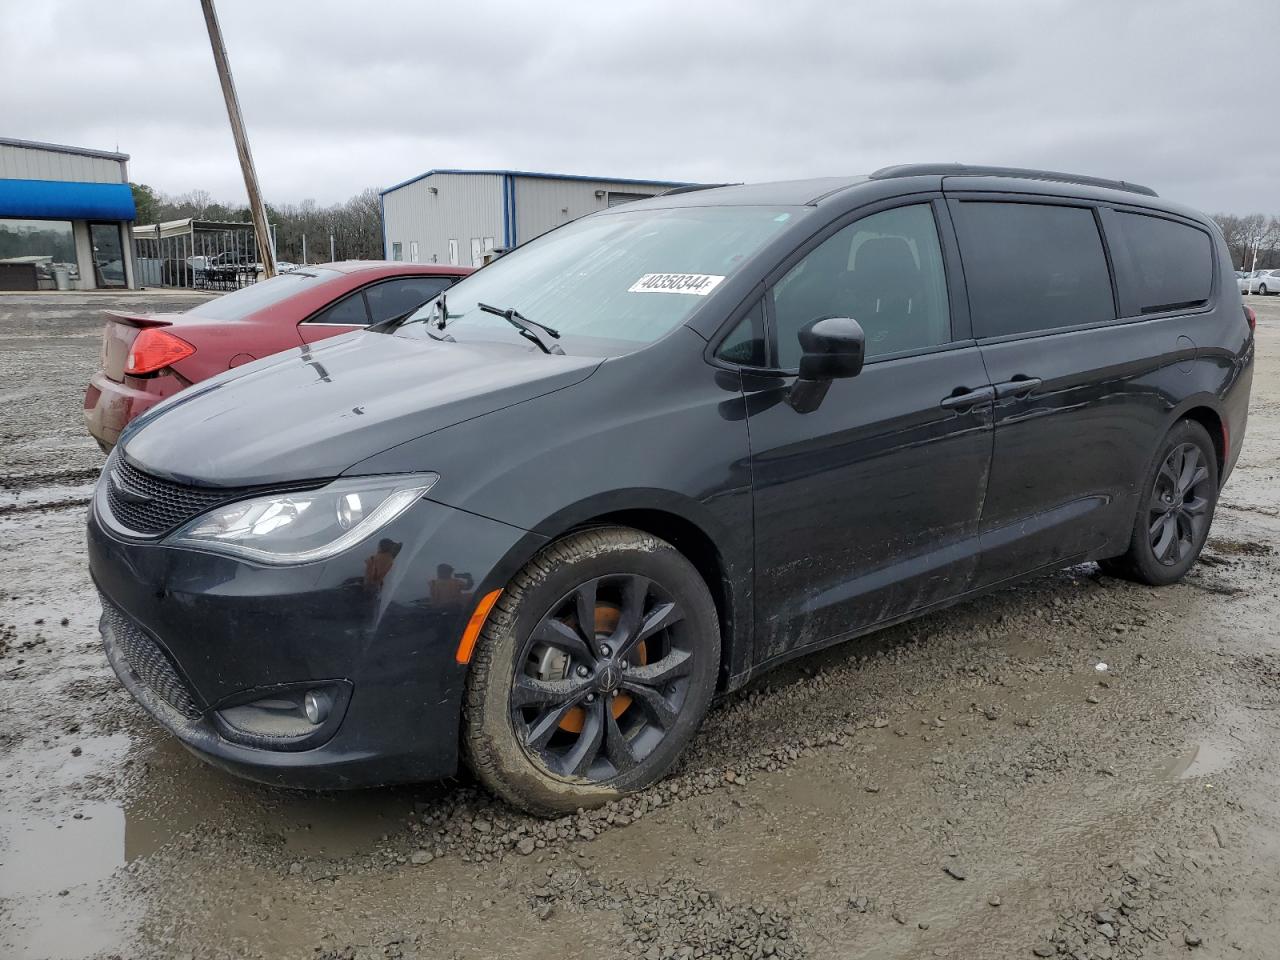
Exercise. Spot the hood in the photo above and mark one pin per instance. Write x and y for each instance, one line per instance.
(313, 412)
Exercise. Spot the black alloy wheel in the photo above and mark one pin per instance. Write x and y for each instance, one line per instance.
(606, 671)
(1178, 509)
(592, 672)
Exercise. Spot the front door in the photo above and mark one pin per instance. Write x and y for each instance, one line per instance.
(868, 507)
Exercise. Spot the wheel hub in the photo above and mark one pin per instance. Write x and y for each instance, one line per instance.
(616, 690)
(608, 673)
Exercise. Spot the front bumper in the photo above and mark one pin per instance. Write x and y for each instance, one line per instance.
(188, 632)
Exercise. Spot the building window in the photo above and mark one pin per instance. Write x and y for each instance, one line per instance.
(617, 199)
(31, 250)
(453, 252)
(397, 251)
(413, 251)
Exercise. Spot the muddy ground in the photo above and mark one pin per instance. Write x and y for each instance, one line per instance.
(969, 785)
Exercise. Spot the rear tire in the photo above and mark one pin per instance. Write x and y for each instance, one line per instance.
(558, 717)
(1179, 495)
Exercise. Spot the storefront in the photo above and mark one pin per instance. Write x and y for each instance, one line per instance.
(65, 215)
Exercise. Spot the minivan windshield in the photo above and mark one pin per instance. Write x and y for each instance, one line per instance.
(609, 283)
(265, 293)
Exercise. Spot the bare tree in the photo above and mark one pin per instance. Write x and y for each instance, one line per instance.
(356, 225)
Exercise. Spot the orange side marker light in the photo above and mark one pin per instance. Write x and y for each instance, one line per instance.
(469, 636)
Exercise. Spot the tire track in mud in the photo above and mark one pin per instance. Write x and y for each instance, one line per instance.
(22, 494)
(21, 481)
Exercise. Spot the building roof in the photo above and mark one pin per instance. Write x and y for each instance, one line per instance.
(61, 148)
(539, 176)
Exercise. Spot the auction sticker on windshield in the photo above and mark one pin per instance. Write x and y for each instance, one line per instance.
(698, 284)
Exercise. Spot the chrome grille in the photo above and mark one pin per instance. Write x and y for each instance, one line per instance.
(149, 663)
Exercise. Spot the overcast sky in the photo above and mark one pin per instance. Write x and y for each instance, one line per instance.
(339, 96)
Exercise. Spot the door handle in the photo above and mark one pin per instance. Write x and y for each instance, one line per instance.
(968, 398)
(1017, 387)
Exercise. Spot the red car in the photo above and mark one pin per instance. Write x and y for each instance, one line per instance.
(148, 357)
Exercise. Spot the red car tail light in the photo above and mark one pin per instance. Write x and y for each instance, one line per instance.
(153, 350)
(1252, 317)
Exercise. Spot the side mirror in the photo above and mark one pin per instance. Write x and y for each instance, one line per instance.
(832, 349)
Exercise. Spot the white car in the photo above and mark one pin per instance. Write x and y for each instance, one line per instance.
(1265, 282)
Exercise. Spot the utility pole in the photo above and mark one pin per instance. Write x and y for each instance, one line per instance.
(304, 249)
(257, 210)
(333, 257)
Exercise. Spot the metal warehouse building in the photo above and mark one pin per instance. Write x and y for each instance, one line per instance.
(458, 216)
(64, 213)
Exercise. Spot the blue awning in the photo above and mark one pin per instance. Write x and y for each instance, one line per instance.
(66, 200)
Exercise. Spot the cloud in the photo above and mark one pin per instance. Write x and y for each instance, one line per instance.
(341, 96)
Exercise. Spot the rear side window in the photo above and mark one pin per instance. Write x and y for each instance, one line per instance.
(1160, 264)
(349, 311)
(395, 298)
(1032, 267)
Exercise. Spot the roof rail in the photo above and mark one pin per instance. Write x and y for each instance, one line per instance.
(967, 170)
(694, 187)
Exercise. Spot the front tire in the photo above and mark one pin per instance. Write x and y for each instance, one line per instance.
(592, 673)
(1179, 495)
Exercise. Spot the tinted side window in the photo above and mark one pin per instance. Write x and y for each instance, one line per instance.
(1032, 267)
(349, 310)
(1163, 265)
(395, 298)
(885, 271)
(745, 345)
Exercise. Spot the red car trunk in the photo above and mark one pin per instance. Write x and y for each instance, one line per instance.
(148, 357)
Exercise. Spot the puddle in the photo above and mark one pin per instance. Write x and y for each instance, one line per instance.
(1198, 760)
(51, 870)
(45, 856)
(60, 848)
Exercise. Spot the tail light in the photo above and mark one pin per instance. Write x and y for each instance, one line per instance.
(1251, 317)
(153, 350)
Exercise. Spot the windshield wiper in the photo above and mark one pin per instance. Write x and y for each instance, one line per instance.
(529, 329)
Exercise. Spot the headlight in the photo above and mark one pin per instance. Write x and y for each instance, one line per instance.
(285, 528)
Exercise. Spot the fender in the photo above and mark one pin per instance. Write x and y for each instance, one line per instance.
(669, 515)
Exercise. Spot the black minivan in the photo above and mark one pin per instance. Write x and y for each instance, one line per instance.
(540, 523)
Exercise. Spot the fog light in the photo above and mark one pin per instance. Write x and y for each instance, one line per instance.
(293, 716)
(316, 705)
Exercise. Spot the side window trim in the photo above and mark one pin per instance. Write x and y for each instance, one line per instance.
(1111, 265)
(957, 290)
